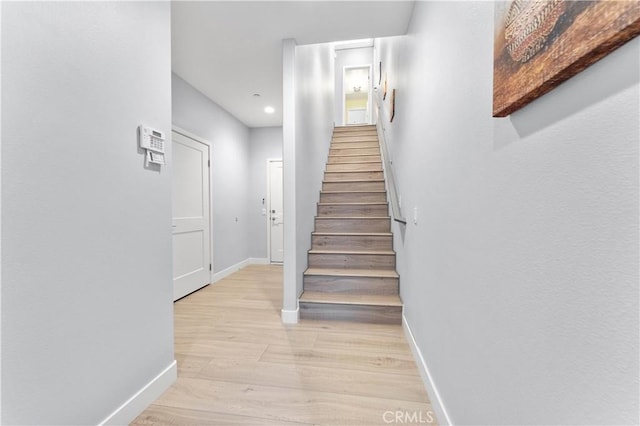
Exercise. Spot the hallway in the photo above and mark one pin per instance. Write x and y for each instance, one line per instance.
(238, 364)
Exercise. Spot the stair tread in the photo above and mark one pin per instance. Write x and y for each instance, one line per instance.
(352, 234)
(353, 180)
(355, 204)
(352, 217)
(356, 191)
(347, 272)
(352, 155)
(351, 299)
(323, 251)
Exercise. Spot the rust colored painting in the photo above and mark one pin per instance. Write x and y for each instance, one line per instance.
(393, 105)
(541, 43)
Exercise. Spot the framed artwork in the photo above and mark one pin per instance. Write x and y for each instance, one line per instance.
(393, 105)
(541, 43)
(384, 93)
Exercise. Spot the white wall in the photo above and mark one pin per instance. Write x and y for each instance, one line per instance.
(265, 144)
(308, 108)
(197, 114)
(520, 280)
(86, 243)
(345, 58)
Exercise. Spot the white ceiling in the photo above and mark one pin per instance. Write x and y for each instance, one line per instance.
(230, 50)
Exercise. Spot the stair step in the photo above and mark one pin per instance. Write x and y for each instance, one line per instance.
(354, 151)
(362, 260)
(347, 144)
(353, 197)
(354, 167)
(353, 158)
(352, 175)
(352, 224)
(351, 299)
(353, 209)
(352, 241)
(358, 128)
(379, 309)
(352, 281)
(353, 139)
(351, 285)
(354, 185)
(361, 273)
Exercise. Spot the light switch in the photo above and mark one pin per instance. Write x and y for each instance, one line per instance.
(415, 215)
(264, 212)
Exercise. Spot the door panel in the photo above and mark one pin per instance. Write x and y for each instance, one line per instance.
(190, 203)
(276, 219)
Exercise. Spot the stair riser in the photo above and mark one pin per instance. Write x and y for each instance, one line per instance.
(359, 313)
(349, 167)
(352, 242)
(353, 186)
(338, 159)
(371, 131)
(354, 210)
(353, 197)
(343, 145)
(351, 285)
(339, 176)
(355, 129)
(352, 225)
(354, 151)
(352, 261)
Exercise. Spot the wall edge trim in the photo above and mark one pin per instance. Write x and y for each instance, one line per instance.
(430, 386)
(139, 402)
(290, 317)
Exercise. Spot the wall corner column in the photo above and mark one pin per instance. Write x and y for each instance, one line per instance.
(290, 312)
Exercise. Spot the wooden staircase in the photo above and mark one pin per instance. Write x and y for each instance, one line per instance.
(352, 266)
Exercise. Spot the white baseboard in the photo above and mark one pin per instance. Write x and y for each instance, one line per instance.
(432, 391)
(290, 317)
(139, 402)
(228, 271)
(234, 268)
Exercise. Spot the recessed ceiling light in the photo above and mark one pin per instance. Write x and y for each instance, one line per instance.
(269, 109)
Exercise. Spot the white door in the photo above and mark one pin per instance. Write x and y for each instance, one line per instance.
(190, 198)
(276, 222)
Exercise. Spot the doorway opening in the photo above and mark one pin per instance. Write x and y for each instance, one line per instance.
(356, 89)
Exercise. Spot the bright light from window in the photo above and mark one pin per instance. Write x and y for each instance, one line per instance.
(269, 109)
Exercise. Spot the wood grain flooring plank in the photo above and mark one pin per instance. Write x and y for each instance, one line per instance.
(393, 363)
(282, 404)
(314, 378)
(163, 415)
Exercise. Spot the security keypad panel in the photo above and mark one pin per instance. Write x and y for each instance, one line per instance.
(153, 142)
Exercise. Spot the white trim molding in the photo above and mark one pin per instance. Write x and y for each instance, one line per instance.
(234, 268)
(228, 271)
(139, 402)
(290, 317)
(432, 391)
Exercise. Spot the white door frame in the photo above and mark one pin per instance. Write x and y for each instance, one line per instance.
(210, 145)
(269, 161)
(369, 91)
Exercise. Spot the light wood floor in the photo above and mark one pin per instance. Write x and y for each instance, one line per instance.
(238, 364)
